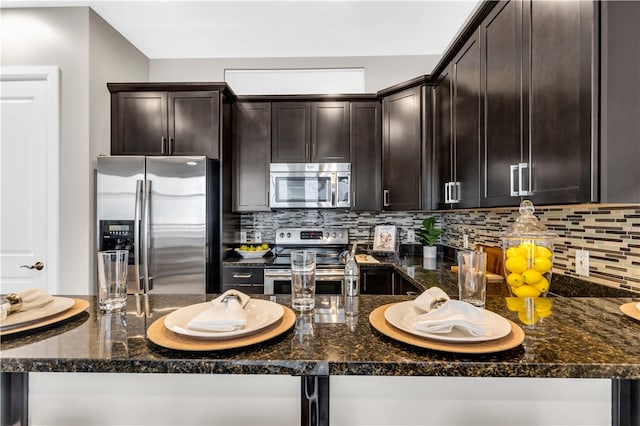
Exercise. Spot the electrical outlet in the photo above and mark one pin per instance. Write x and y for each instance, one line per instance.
(257, 237)
(411, 236)
(243, 236)
(465, 240)
(582, 262)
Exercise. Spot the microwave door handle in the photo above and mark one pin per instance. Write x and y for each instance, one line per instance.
(145, 236)
(136, 234)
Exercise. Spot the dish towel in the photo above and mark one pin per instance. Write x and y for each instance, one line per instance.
(26, 300)
(453, 314)
(430, 299)
(225, 314)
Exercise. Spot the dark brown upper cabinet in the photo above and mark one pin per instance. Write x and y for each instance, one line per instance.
(252, 155)
(366, 156)
(561, 145)
(464, 188)
(316, 132)
(442, 140)
(146, 120)
(503, 102)
(402, 150)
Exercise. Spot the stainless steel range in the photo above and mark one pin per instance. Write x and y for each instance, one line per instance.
(328, 244)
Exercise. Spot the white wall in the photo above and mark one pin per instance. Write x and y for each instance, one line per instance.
(380, 71)
(87, 57)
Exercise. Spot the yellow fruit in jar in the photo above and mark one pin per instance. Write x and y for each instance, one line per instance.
(513, 252)
(531, 276)
(542, 251)
(542, 264)
(544, 314)
(515, 304)
(527, 249)
(542, 285)
(528, 317)
(543, 304)
(526, 291)
(516, 264)
(515, 280)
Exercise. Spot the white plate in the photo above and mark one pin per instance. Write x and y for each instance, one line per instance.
(260, 314)
(402, 315)
(18, 319)
(251, 254)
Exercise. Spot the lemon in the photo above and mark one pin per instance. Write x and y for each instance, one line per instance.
(543, 304)
(528, 318)
(526, 291)
(542, 285)
(515, 304)
(244, 247)
(542, 264)
(516, 264)
(265, 246)
(542, 251)
(527, 249)
(252, 248)
(515, 280)
(531, 276)
(513, 252)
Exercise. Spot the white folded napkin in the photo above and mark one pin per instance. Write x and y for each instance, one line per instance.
(453, 314)
(430, 299)
(226, 313)
(32, 298)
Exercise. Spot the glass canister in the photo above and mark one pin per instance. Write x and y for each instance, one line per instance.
(527, 248)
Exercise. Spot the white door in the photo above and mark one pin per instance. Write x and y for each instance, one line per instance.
(29, 110)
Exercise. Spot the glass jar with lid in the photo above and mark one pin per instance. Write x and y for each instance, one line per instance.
(528, 254)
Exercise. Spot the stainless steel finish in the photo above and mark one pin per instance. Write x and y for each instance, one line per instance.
(242, 275)
(166, 199)
(310, 185)
(172, 145)
(145, 237)
(164, 146)
(521, 179)
(385, 197)
(38, 266)
(272, 275)
(514, 169)
(458, 186)
(137, 219)
(330, 236)
(447, 194)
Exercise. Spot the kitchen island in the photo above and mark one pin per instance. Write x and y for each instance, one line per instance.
(582, 338)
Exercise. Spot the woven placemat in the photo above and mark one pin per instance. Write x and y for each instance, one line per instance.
(631, 309)
(77, 308)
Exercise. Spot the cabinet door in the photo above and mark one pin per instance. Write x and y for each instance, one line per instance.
(402, 287)
(194, 123)
(501, 45)
(252, 154)
(560, 101)
(442, 139)
(376, 281)
(330, 132)
(401, 155)
(366, 156)
(466, 124)
(139, 123)
(291, 124)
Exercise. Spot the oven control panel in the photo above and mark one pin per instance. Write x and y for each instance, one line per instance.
(311, 236)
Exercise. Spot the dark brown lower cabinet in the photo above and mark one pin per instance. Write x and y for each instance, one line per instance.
(377, 280)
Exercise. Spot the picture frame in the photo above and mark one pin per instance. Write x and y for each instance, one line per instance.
(384, 238)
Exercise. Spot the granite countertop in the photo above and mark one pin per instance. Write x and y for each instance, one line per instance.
(583, 337)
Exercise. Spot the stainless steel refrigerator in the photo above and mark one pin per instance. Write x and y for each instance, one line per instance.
(166, 212)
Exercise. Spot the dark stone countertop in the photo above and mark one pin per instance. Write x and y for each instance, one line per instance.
(583, 337)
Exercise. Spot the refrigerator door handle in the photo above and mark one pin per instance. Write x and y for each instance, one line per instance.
(145, 237)
(136, 234)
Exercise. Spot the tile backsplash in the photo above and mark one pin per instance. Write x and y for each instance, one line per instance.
(611, 233)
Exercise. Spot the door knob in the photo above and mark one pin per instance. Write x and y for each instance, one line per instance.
(38, 266)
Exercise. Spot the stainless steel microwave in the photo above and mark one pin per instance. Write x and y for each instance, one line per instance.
(310, 185)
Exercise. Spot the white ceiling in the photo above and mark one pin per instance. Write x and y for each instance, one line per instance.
(259, 29)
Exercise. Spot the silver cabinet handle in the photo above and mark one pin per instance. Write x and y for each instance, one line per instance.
(306, 151)
(164, 145)
(172, 145)
(447, 193)
(458, 187)
(353, 199)
(242, 275)
(514, 169)
(521, 178)
(385, 197)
